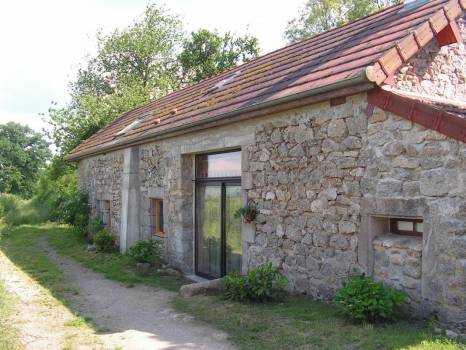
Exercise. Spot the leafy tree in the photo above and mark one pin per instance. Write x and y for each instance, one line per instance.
(23, 153)
(319, 16)
(132, 66)
(140, 63)
(207, 53)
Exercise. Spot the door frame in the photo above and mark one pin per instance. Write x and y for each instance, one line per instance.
(215, 181)
(222, 183)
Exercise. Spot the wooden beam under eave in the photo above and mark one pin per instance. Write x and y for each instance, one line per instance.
(449, 35)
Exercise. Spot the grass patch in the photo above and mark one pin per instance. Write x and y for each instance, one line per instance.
(20, 247)
(79, 321)
(296, 324)
(301, 323)
(113, 266)
(8, 337)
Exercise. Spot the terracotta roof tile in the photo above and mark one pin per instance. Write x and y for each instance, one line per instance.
(382, 41)
(446, 117)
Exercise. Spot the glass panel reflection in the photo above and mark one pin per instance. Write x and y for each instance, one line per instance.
(208, 229)
(219, 165)
(233, 229)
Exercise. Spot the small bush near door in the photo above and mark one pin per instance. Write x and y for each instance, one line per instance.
(363, 299)
(263, 284)
(145, 251)
(104, 241)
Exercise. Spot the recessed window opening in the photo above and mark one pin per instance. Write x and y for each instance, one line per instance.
(408, 227)
(224, 81)
(103, 208)
(156, 217)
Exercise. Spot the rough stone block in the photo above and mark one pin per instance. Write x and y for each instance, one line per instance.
(190, 290)
(337, 128)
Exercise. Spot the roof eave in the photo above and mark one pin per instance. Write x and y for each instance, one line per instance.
(358, 79)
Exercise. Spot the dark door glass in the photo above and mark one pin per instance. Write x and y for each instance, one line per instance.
(233, 245)
(209, 229)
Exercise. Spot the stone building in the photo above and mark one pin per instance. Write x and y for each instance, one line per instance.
(350, 144)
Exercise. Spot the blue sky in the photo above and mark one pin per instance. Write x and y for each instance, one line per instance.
(43, 42)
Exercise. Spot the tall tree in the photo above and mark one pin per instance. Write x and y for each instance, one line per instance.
(131, 67)
(319, 16)
(144, 61)
(207, 53)
(23, 153)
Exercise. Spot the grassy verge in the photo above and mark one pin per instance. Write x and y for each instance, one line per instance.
(113, 266)
(20, 246)
(8, 338)
(303, 324)
(295, 324)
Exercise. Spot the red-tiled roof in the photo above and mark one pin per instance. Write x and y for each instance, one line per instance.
(446, 118)
(337, 58)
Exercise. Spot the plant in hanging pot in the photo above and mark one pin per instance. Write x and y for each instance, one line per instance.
(248, 213)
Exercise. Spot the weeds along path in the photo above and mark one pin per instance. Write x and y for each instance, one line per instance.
(40, 320)
(137, 317)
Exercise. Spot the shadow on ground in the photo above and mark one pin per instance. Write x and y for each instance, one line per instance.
(128, 315)
(131, 313)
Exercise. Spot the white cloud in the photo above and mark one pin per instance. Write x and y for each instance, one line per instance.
(43, 42)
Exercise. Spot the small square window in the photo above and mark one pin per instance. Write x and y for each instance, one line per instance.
(103, 208)
(409, 227)
(156, 217)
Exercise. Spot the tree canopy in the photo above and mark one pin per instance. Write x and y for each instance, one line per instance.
(142, 62)
(23, 153)
(207, 53)
(320, 16)
(131, 67)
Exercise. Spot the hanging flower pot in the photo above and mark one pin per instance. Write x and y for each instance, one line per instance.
(248, 213)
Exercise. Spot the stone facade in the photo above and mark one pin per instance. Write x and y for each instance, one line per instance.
(437, 71)
(306, 168)
(101, 177)
(398, 263)
(325, 179)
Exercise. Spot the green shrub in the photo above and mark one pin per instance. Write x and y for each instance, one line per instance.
(58, 191)
(95, 225)
(363, 299)
(15, 211)
(265, 283)
(145, 251)
(104, 241)
(8, 202)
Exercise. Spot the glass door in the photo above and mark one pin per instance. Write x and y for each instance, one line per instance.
(233, 246)
(209, 229)
(218, 197)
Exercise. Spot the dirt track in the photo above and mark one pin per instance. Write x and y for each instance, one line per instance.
(128, 318)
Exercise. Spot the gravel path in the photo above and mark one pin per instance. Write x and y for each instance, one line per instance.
(39, 318)
(139, 317)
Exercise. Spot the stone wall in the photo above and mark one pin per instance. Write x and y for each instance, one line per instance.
(414, 172)
(161, 170)
(437, 71)
(100, 176)
(305, 170)
(398, 263)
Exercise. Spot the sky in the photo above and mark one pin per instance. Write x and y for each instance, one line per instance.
(43, 42)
